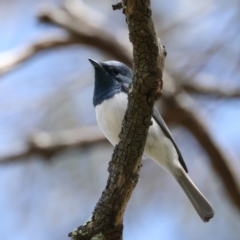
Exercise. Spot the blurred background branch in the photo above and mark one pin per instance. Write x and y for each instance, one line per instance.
(214, 91)
(11, 59)
(88, 33)
(46, 144)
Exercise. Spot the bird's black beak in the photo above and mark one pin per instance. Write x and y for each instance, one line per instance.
(96, 64)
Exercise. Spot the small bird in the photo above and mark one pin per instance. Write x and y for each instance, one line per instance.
(110, 100)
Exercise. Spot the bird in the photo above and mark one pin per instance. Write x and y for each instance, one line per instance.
(110, 99)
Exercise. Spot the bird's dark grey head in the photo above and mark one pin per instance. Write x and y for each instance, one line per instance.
(110, 77)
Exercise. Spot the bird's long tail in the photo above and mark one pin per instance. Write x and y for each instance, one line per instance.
(199, 202)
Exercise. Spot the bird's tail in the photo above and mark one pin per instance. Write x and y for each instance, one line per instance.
(199, 202)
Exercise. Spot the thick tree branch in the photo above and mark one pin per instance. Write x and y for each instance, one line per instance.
(149, 56)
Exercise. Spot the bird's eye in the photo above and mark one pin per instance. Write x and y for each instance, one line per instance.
(115, 71)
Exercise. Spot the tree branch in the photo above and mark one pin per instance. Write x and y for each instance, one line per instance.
(48, 144)
(210, 90)
(89, 34)
(11, 59)
(107, 220)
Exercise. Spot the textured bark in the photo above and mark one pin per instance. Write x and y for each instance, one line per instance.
(107, 218)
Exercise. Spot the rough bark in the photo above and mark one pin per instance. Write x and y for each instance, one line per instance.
(107, 219)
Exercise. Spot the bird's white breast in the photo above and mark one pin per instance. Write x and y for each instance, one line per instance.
(110, 114)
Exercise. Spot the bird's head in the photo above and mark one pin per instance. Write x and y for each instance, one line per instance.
(110, 77)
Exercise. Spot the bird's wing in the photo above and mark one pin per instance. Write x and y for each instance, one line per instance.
(165, 129)
(157, 117)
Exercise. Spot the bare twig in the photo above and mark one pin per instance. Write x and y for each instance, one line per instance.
(117, 6)
(89, 34)
(83, 12)
(11, 59)
(211, 90)
(48, 144)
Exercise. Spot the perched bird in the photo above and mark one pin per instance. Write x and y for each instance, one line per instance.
(110, 100)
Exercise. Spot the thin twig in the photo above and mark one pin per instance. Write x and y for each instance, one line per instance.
(48, 144)
(117, 6)
(11, 59)
(210, 90)
(89, 34)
